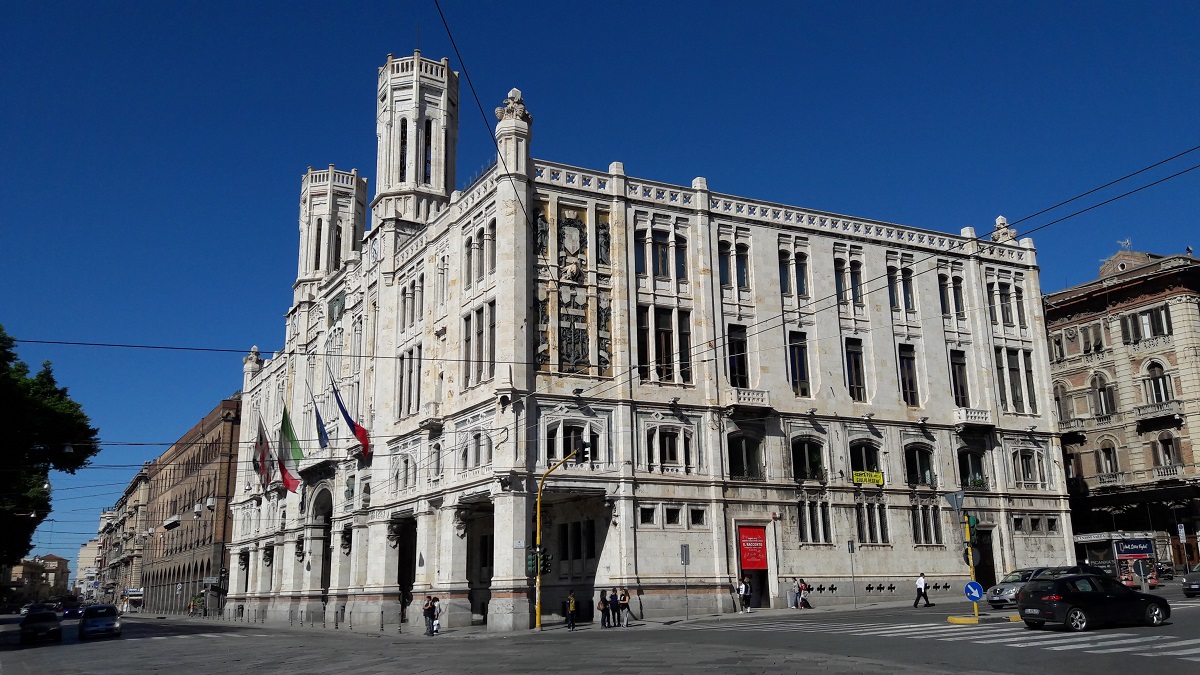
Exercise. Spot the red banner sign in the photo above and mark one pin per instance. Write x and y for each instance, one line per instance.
(753, 544)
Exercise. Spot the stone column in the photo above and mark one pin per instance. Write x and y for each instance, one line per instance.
(511, 604)
(451, 584)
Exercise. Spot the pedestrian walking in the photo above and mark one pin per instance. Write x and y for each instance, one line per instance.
(614, 608)
(602, 607)
(794, 600)
(921, 592)
(623, 601)
(571, 610)
(745, 592)
(804, 595)
(427, 611)
(437, 616)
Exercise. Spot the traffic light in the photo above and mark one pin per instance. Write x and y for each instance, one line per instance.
(531, 561)
(585, 453)
(972, 522)
(546, 558)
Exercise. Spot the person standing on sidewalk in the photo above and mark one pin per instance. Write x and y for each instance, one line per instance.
(804, 604)
(794, 601)
(602, 607)
(571, 610)
(745, 591)
(427, 610)
(614, 609)
(921, 592)
(624, 605)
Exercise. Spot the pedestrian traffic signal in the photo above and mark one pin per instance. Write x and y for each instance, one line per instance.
(972, 522)
(545, 563)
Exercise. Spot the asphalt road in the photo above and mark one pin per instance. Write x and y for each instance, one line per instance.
(874, 640)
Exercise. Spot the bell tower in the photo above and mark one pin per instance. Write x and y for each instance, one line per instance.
(417, 130)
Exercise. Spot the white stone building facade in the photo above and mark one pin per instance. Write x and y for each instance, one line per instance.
(738, 376)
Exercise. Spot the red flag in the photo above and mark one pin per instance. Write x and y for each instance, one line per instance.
(359, 431)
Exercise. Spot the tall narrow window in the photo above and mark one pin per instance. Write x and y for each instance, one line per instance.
(1166, 455)
(403, 150)
(643, 342)
(991, 300)
(1103, 398)
(909, 292)
(944, 294)
(660, 254)
(428, 151)
(1000, 377)
(785, 273)
(798, 362)
(480, 345)
(1006, 304)
(908, 375)
(743, 266)
(1062, 404)
(958, 378)
(1159, 385)
(685, 346)
(681, 259)
(491, 366)
(893, 284)
(1019, 300)
(856, 282)
(807, 462)
(801, 275)
(839, 279)
(739, 367)
(468, 353)
(1029, 385)
(723, 253)
(491, 245)
(1014, 380)
(639, 252)
(856, 380)
(664, 355)
(745, 461)
(317, 243)
(480, 254)
(335, 258)
(469, 260)
(1106, 458)
(960, 308)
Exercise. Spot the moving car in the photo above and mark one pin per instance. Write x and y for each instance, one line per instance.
(1055, 572)
(1005, 592)
(40, 625)
(1191, 582)
(1082, 601)
(99, 620)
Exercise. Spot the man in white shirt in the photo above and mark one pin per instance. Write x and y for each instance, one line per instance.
(921, 592)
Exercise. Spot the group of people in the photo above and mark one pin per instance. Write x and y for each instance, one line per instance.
(800, 590)
(614, 608)
(432, 612)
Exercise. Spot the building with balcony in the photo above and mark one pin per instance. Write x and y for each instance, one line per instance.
(189, 520)
(1124, 353)
(758, 382)
(122, 538)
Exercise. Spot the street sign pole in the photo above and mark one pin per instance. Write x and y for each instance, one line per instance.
(685, 557)
(537, 588)
(970, 556)
(853, 584)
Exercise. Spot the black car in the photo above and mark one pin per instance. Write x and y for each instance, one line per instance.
(41, 625)
(1082, 601)
(1055, 572)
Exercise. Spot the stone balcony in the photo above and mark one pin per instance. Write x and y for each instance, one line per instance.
(1143, 478)
(748, 398)
(973, 417)
(1145, 413)
(1071, 426)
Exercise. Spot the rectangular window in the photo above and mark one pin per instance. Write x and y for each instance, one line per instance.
(743, 266)
(1006, 304)
(1018, 524)
(1014, 380)
(872, 523)
(685, 346)
(739, 367)
(491, 362)
(960, 310)
(661, 254)
(646, 515)
(1000, 377)
(801, 275)
(908, 375)
(991, 294)
(798, 362)
(893, 284)
(1019, 299)
(856, 380)
(1056, 346)
(643, 342)
(812, 528)
(668, 446)
(480, 345)
(958, 378)
(944, 294)
(1029, 382)
(910, 296)
(697, 517)
(681, 273)
(468, 354)
(723, 253)
(785, 273)
(639, 253)
(671, 516)
(664, 354)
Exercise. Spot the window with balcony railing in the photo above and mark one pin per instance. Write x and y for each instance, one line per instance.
(807, 460)
(745, 458)
(918, 465)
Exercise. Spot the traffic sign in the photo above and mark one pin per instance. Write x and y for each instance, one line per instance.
(1182, 533)
(685, 554)
(956, 500)
(974, 591)
(209, 581)
(1141, 567)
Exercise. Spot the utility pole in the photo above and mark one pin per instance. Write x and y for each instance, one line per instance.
(537, 611)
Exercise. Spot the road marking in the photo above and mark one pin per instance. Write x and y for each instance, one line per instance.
(1048, 638)
(1173, 645)
(158, 637)
(1136, 647)
(1104, 640)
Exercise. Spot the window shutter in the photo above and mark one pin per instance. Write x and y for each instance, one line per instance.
(1166, 313)
(1135, 325)
(1125, 337)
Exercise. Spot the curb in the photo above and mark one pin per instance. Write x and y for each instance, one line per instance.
(982, 618)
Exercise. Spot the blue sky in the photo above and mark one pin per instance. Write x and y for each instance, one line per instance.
(153, 151)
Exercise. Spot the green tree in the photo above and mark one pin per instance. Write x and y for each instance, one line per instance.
(44, 431)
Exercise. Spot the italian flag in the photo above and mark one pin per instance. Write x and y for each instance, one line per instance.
(290, 454)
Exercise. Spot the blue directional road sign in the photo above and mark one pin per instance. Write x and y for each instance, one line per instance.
(974, 591)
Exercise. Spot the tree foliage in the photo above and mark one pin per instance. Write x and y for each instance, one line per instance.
(43, 431)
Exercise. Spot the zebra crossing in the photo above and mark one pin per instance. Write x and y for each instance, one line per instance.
(188, 636)
(1014, 635)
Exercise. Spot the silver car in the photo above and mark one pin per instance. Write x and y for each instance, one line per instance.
(99, 620)
(1005, 592)
(1191, 582)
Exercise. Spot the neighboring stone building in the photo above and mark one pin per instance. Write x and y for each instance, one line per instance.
(1125, 352)
(39, 577)
(86, 570)
(122, 539)
(759, 382)
(189, 489)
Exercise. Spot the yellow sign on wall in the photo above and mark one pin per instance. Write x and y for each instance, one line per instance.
(868, 477)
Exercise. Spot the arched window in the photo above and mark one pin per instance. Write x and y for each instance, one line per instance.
(1103, 396)
(944, 294)
(1158, 384)
(1106, 458)
(1166, 451)
(435, 459)
(839, 279)
(336, 258)
(403, 150)
(918, 465)
(909, 293)
(639, 252)
(808, 463)
(1029, 468)
(801, 275)
(428, 151)
(745, 458)
(960, 310)
(479, 254)
(1062, 404)
(864, 456)
(893, 284)
(785, 273)
(317, 247)
(681, 258)
(491, 245)
(856, 282)
(724, 250)
(469, 260)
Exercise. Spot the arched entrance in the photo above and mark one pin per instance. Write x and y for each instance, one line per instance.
(322, 515)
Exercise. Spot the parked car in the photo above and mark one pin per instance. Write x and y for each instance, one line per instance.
(36, 607)
(1004, 593)
(99, 620)
(40, 625)
(1191, 581)
(1082, 601)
